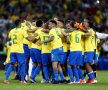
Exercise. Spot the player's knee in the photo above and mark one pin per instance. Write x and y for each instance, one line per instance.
(68, 66)
(35, 64)
(39, 64)
(77, 66)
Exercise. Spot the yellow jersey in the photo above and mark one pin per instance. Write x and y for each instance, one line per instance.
(68, 43)
(25, 41)
(83, 45)
(89, 42)
(16, 35)
(75, 40)
(97, 48)
(46, 47)
(35, 45)
(65, 45)
(57, 42)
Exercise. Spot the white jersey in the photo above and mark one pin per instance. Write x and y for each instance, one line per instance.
(101, 35)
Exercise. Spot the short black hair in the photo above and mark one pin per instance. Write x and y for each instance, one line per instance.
(72, 22)
(39, 23)
(61, 21)
(53, 21)
(17, 22)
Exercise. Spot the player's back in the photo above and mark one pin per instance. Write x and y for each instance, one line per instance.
(76, 40)
(16, 35)
(57, 42)
(90, 41)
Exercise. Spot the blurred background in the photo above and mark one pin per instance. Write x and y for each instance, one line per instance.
(10, 10)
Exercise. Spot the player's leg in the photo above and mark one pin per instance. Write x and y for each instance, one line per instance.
(10, 68)
(61, 61)
(27, 56)
(45, 66)
(21, 62)
(61, 73)
(80, 63)
(54, 59)
(63, 64)
(50, 69)
(74, 60)
(7, 66)
(69, 69)
(32, 55)
(88, 60)
(38, 59)
(94, 65)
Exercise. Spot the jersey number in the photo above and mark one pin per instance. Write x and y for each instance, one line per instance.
(76, 38)
(14, 39)
(45, 38)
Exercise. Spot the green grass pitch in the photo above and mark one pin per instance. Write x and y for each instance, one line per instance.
(15, 85)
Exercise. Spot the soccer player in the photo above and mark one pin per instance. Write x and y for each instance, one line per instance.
(46, 54)
(57, 49)
(75, 57)
(35, 53)
(17, 52)
(60, 25)
(89, 52)
(28, 29)
(7, 62)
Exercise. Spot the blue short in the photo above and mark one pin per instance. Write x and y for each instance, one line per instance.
(65, 57)
(35, 55)
(57, 55)
(75, 58)
(89, 56)
(26, 50)
(83, 58)
(46, 58)
(17, 57)
(96, 56)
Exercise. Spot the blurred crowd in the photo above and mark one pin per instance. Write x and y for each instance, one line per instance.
(10, 10)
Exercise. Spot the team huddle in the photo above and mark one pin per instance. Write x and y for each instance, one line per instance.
(59, 50)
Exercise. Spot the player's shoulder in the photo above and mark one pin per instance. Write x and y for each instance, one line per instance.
(32, 27)
(53, 29)
(12, 30)
(39, 30)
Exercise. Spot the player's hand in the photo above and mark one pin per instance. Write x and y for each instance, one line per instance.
(40, 43)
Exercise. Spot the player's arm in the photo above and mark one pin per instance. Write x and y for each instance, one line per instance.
(51, 38)
(45, 30)
(63, 33)
(29, 30)
(32, 38)
(88, 33)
